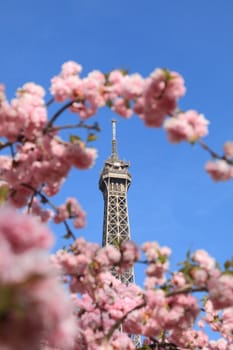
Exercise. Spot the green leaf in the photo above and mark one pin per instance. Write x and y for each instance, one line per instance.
(74, 138)
(109, 103)
(167, 74)
(124, 71)
(228, 264)
(68, 208)
(91, 137)
(4, 190)
(162, 259)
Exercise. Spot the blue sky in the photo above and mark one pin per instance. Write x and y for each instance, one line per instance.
(171, 199)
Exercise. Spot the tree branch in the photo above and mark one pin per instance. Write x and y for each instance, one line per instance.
(46, 200)
(57, 114)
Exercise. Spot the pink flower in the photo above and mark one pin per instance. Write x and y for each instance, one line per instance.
(190, 339)
(80, 156)
(121, 108)
(71, 210)
(200, 276)
(132, 86)
(122, 341)
(44, 214)
(155, 298)
(178, 280)
(2, 93)
(228, 149)
(32, 89)
(108, 256)
(70, 68)
(219, 170)
(34, 302)
(151, 250)
(23, 232)
(188, 126)
(204, 259)
(221, 291)
(161, 93)
(60, 89)
(129, 253)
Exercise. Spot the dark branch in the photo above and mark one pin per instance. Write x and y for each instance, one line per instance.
(56, 115)
(44, 199)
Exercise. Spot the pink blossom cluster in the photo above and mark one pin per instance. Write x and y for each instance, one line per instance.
(105, 299)
(86, 93)
(160, 96)
(220, 322)
(71, 210)
(219, 170)
(87, 259)
(152, 98)
(36, 209)
(204, 273)
(158, 263)
(25, 116)
(33, 304)
(41, 160)
(44, 163)
(216, 286)
(104, 303)
(228, 150)
(188, 126)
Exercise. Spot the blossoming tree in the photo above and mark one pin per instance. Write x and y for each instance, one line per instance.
(99, 312)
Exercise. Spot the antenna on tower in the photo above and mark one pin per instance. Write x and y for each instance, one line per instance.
(114, 141)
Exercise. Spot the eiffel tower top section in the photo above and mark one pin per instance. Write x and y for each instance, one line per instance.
(113, 166)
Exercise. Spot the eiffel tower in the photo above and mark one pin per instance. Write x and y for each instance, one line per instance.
(114, 183)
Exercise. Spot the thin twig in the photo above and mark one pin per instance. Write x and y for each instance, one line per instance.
(57, 114)
(186, 289)
(4, 145)
(183, 290)
(208, 149)
(47, 201)
(73, 126)
(50, 102)
(122, 319)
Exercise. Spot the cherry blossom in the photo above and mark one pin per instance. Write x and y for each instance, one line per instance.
(33, 301)
(188, 126)
(219, 170)
(228, 149)
(101, 312)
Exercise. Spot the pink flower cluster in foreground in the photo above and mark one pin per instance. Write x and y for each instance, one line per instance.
(165, 305)
(34, 306)
(33, 302)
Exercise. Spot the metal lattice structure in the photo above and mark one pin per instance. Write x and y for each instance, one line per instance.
(114, 183)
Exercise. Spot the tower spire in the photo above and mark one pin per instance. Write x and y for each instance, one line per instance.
(114, 155)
